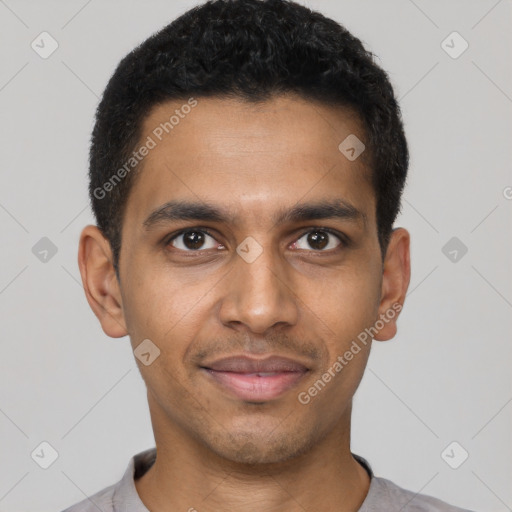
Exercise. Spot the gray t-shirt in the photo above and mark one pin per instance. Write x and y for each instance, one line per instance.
(383, 495)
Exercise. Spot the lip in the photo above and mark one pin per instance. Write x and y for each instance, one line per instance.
(256, 380)
(246, 364)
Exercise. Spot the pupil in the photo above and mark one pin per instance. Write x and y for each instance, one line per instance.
(193, 239)
(318, 239)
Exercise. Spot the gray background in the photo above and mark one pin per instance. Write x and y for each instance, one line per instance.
(445, 377)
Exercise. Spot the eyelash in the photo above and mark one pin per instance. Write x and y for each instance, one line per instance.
(344, 240)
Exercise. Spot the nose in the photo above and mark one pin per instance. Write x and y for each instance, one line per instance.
(260, 294)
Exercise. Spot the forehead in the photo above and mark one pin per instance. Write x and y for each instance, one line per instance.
(252, 158)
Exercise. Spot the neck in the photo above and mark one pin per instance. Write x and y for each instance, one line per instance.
(189, 476)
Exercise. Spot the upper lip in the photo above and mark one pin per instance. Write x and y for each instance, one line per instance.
(245, 364)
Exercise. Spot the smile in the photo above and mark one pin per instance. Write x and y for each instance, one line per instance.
(256, 387)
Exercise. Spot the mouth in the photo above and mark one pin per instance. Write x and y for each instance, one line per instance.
(255, 380)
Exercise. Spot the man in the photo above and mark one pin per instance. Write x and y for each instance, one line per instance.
(246, 169)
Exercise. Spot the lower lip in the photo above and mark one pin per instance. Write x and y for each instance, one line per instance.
(255, 388)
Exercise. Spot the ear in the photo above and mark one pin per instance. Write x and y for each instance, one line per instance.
(100, 281)
(395, 282)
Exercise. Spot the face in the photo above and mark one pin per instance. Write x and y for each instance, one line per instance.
(249, 233)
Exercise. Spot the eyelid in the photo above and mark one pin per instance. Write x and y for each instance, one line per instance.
(168, 239)
(344, 239)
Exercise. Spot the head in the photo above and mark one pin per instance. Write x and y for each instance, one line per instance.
(231, 218)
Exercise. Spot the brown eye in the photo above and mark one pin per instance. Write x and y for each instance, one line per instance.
(318, 240)
(193, 240)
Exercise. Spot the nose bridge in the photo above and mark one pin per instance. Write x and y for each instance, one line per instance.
(259, 295)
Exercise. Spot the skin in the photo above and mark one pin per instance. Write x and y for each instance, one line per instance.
(297, 299)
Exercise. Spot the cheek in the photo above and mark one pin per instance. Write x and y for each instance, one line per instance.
(151, 306)
(166, 309)
(346, 302)
(347, 306)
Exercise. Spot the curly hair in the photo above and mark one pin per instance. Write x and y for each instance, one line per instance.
(252, 50)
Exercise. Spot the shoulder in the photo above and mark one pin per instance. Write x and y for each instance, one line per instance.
(123, 494)
(385, 494)
(102, 500)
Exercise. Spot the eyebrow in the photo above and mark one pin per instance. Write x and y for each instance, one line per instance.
(185, 210)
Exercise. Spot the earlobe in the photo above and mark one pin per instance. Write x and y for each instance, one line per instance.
(100, 282)
(395, 282)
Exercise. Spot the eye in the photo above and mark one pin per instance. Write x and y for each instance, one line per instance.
(318, 240)
(193, 240)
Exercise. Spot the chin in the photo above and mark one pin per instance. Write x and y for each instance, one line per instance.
(261, 451)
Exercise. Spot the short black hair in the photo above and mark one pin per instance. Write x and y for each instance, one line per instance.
(253, 50)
